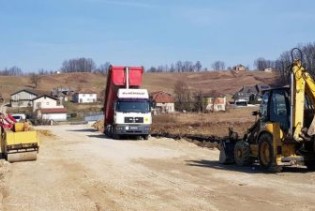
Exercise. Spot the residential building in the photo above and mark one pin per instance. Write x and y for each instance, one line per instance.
(84, 97)
(23, 98)
(44, 102)
(56, 114)
(250, 94)
(215, 101)
(48, 108)
(62, 94)
(268, 70)
(164, 102)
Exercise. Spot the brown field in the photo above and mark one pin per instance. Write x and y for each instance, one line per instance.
(223, 81)
(207, 124)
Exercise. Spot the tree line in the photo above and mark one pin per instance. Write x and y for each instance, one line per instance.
(282, 64)
(88, 65)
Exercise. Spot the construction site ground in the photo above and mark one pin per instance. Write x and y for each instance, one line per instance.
(78, 168)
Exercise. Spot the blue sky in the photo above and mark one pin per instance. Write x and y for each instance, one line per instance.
(39, 34)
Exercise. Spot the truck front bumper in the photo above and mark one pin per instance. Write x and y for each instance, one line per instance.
(126, 129)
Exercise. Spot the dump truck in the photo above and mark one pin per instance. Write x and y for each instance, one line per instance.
(126, 106)
(18, 142)
(284, 133)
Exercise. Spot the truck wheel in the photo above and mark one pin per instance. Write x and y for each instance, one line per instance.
(242, 154)
(267, 159)
(145, 137)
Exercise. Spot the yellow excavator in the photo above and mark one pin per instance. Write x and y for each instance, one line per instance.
(284, 133)
(18, 142)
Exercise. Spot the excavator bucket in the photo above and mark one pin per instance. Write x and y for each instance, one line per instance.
(22, 156)
(227, 151)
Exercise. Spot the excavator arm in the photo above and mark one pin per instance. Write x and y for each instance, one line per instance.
(302, 85)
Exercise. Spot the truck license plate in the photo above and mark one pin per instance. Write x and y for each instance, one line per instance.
(133, 127)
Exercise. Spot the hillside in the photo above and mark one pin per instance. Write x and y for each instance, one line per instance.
(224, 81)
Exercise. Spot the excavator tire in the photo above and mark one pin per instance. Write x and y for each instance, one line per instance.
(242, 154)
(267, 159)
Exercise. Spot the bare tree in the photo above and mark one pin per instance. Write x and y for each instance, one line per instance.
(262, 64)
(78, 65)
(199, 102)
(188, 66)
(198, 66)
(103, 68)
(15, 71)
(34, 79)
(218, 65)
(179, 66)
(182, 96)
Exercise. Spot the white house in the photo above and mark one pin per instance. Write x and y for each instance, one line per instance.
(164, 102)
(44, 102)
(216, 101)
(56, 114)
(47, 107)
(22, 98)
(84, 97)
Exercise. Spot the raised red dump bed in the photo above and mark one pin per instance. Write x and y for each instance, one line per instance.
(117, 79)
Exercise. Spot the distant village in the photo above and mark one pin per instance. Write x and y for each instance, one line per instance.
(51, 106)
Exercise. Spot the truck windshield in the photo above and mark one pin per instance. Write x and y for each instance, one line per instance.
(131, 105)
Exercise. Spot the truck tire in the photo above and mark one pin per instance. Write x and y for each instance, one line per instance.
(267, 159)
(145, 137)
(242, 153)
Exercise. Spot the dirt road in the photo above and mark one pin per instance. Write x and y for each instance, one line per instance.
(79, 169)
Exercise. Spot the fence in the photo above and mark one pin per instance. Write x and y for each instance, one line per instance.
(94, 117)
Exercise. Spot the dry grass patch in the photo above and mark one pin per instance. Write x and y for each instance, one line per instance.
(45, 132)
(207, 124)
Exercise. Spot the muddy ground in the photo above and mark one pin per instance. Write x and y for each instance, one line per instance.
(79, 169)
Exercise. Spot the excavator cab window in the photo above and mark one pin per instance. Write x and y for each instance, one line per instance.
(264, 106)
(275, 107)
(279, 108)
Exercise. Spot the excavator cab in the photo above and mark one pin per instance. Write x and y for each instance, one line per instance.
(275, 107)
